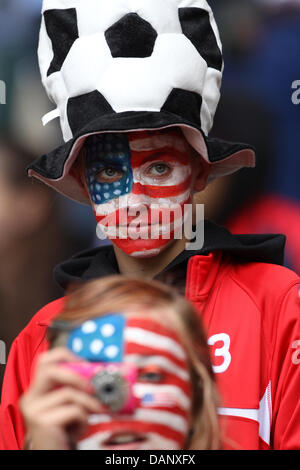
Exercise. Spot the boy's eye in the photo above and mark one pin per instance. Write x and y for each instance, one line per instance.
(109, 175)
(159, 169)
(151, 374)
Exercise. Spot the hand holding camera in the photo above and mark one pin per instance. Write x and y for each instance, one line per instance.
(58, 403)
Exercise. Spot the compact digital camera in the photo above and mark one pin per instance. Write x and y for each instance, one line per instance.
(112, 383)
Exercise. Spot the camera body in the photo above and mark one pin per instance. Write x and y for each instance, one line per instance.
(112, 383)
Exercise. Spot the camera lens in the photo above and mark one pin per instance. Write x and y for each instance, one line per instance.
(111, 389)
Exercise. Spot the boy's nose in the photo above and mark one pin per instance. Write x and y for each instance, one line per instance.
(137, 199)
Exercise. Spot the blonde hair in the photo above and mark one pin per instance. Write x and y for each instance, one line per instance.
(120, 293)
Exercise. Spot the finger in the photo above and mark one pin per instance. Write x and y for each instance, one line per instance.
(66, 396)
(64, 416)
(59, 354)
(56, 375)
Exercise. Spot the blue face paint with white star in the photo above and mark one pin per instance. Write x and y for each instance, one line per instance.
(100, 339)
(109, 152)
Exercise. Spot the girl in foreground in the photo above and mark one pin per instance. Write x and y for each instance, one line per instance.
(128, 368)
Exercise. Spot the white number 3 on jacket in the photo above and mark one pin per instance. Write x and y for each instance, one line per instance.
(223, 351)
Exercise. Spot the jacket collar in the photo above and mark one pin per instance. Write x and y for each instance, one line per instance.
(202, 272)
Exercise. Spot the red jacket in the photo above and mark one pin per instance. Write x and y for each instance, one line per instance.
(252, 315)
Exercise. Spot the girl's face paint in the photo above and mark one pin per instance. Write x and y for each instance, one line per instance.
(162, 390)
(138, 184)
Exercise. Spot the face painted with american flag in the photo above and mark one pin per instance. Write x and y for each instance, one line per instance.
(160, 396)
(138, 184)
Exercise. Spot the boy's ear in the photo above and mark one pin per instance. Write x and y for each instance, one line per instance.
(78, 172)
(202, 169)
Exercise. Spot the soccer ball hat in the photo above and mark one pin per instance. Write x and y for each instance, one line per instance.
(129, 65)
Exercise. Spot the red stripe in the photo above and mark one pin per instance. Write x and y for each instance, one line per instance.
(170, 409)
(132, 246)
(132, 348)
(165, 154)
(162, 191)
(151, 325)
(136, 426)
(148, 215)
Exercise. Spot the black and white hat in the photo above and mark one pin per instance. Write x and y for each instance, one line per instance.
(128, 65)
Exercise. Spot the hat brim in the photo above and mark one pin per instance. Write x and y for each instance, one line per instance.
(54, 168)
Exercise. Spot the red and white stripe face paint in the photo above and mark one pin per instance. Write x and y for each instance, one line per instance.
(142, 189)
(162, 388)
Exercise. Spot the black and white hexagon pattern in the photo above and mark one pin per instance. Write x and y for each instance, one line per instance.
(105, 56)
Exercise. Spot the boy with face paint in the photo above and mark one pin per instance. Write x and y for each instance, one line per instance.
(135, 182)
(136, 111)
